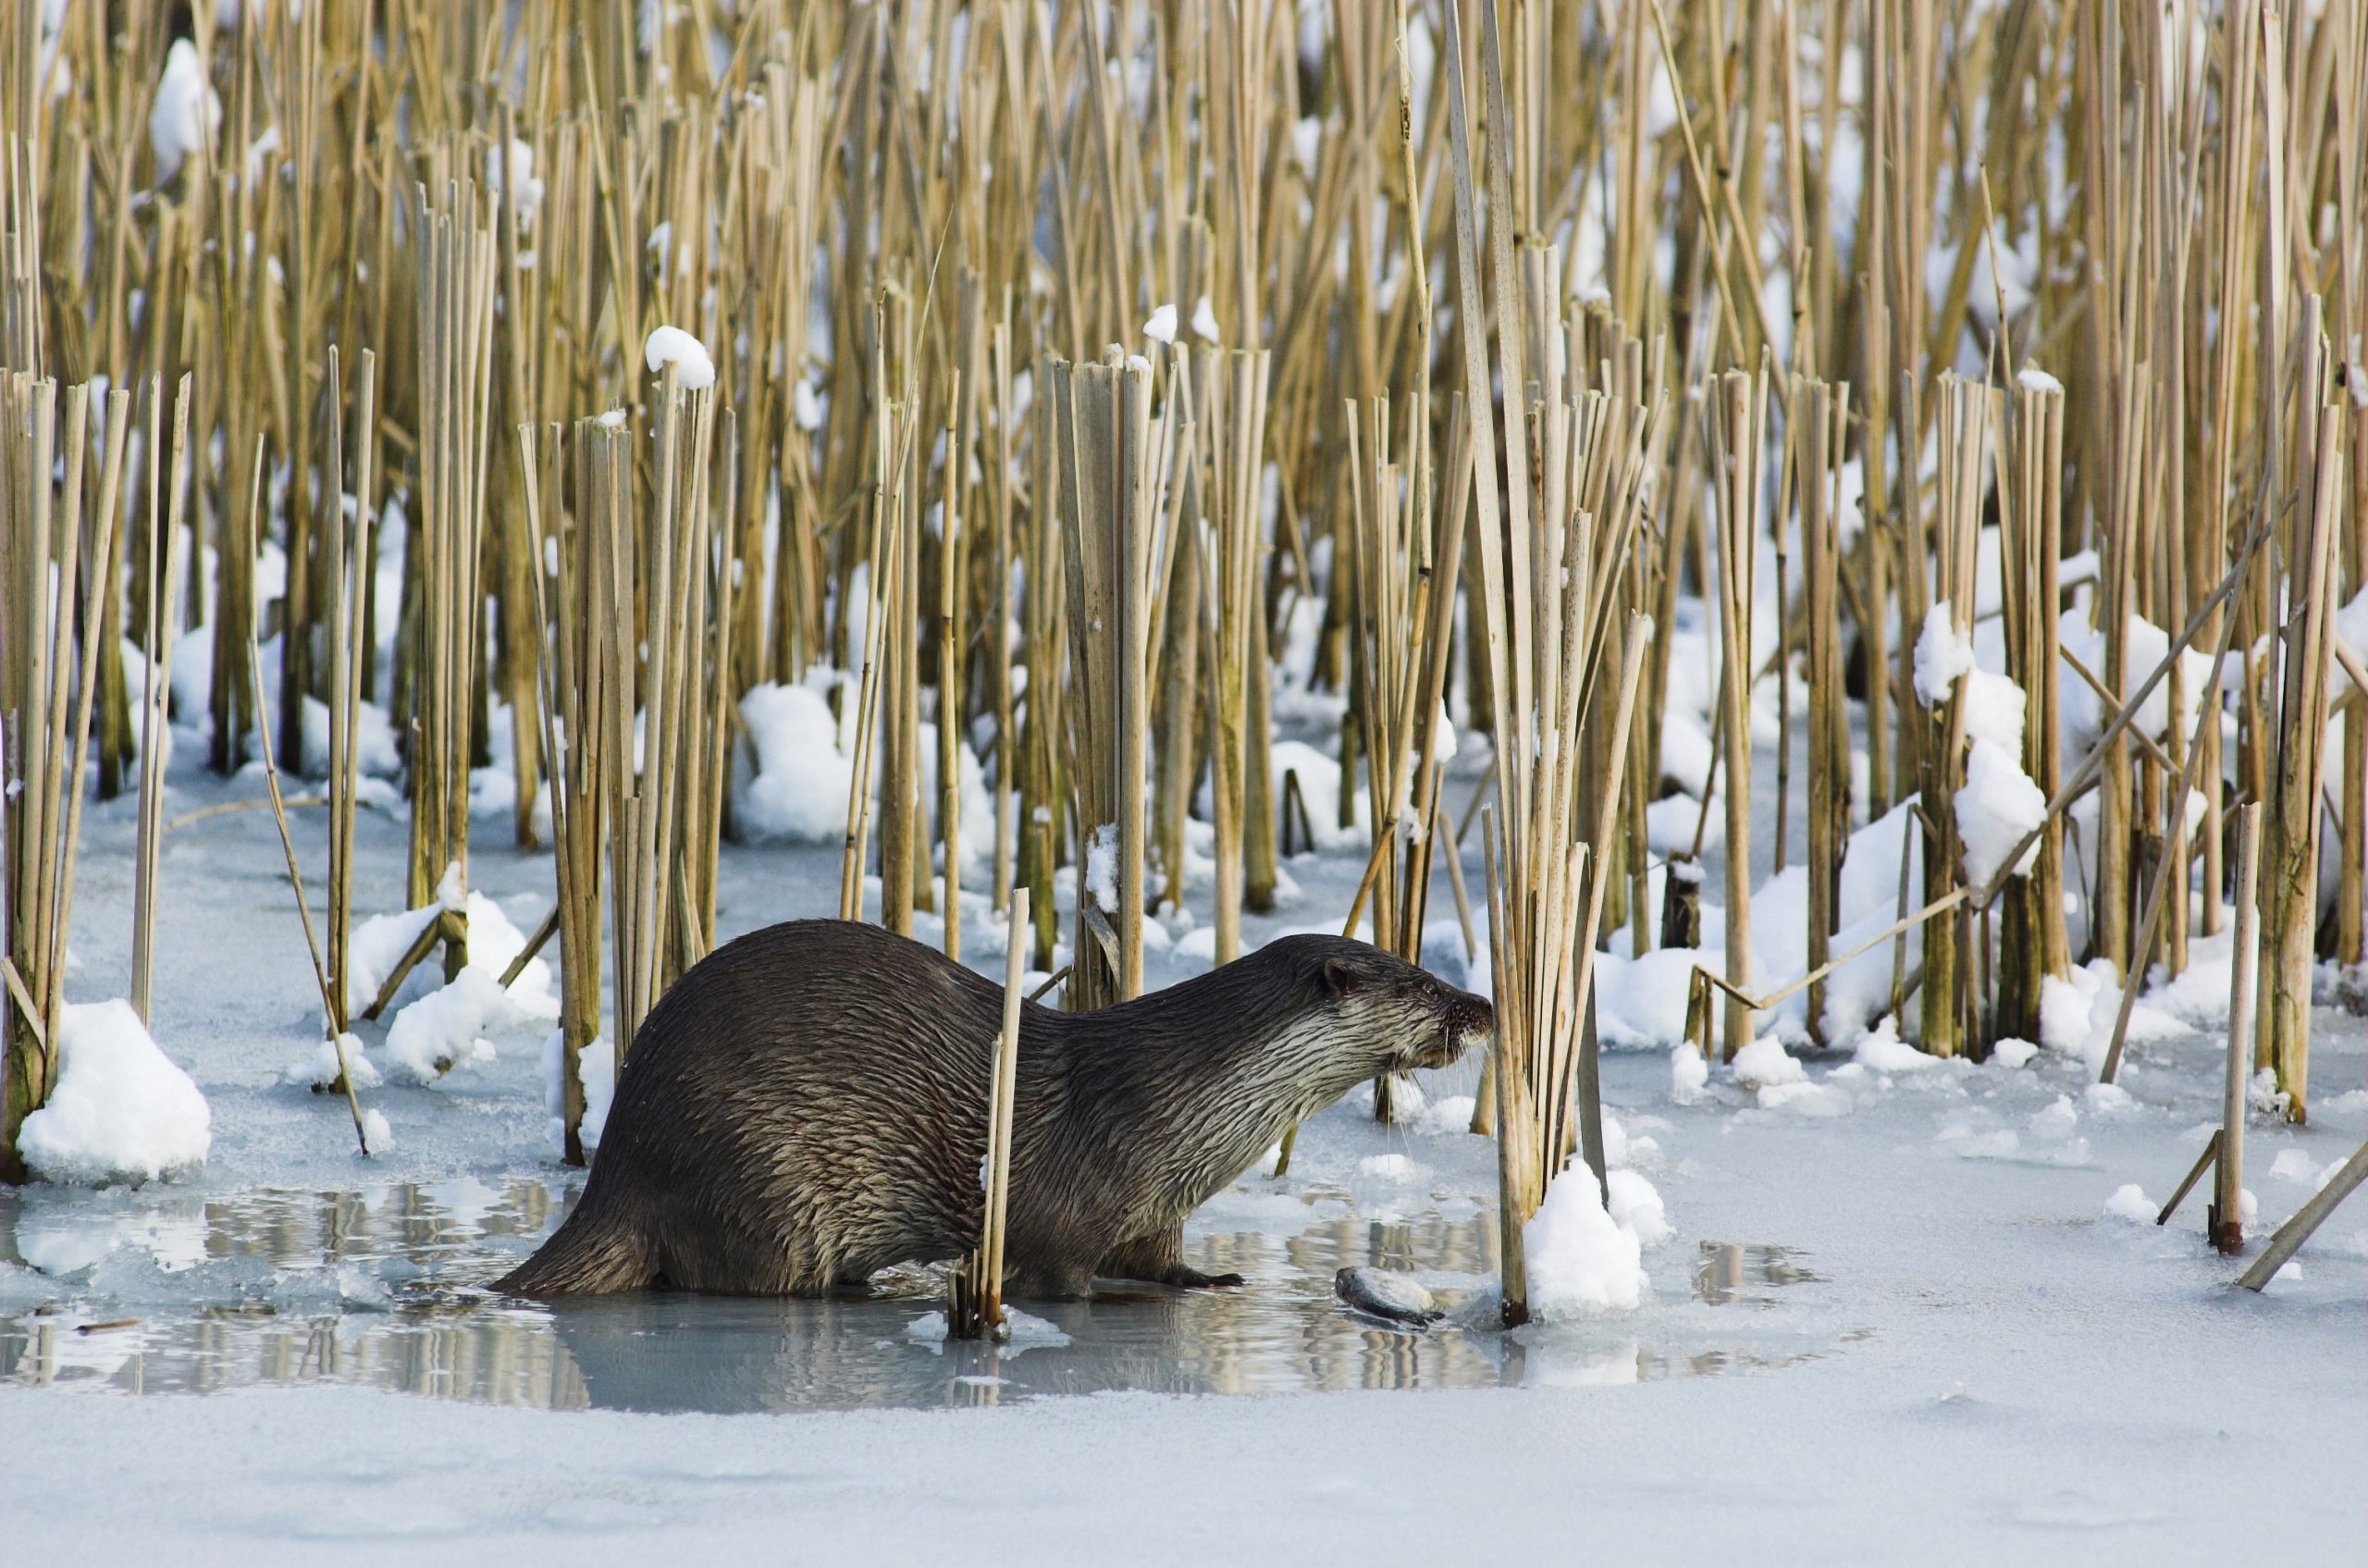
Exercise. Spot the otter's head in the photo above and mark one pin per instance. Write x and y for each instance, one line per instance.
(1396, 1016)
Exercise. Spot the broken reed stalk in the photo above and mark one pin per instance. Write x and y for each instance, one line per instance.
(1819, 426)
(1403, 593)
(2290, 1237)
(950, 684)
(2224, 1221)
(1002, 646)
(1108, 461)
(883, 576)
(1738, 422)
(352, 578)
(42, 540)
(2035, 943)
(1944, 614)
(662, 662)
(1233, 410)
(574, 679)
(166, 560)
(904, 843)
(975, 1307)
(455, 259)
(1549, 590)
(2300, 663)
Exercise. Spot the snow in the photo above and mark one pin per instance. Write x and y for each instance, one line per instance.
(1102, 866)
(1636, 1207)
(1641, 1001)
(382, 942)
(446, 1028)
(1942, 653)
(121, 1110)
(1687, 1074)
(1161, 327)
(672, 345)
(2011, 1053)
(517, 170)
(802, 781)
(597, 1069)
(1997, 807)
(186, 113)
(2130, 1203)
(1881, 1050)
(319, 1071)
(1319, 785)
(804, 771)
(1204, 321)
(1581, 1260)
(1993, 711)
(1763, 1064)
(806, 406)
(2144, 647)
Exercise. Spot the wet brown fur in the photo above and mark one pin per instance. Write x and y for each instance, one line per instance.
(807, 1106)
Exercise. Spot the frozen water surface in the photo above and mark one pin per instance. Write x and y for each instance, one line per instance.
(1934, 1332)
(380, 1287)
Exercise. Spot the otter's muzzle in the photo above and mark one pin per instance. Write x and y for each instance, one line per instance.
(1469, 1025)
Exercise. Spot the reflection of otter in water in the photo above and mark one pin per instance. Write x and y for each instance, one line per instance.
(807, 1106)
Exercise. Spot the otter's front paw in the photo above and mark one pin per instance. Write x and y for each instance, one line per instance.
(1193, 1279)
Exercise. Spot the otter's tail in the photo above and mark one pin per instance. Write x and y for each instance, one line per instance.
(586, 1255)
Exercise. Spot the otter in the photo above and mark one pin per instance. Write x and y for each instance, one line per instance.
(808, 1105)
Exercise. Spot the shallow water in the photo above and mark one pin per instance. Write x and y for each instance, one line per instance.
(379, 1287)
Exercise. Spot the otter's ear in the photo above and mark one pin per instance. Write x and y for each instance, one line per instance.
(1340, 978)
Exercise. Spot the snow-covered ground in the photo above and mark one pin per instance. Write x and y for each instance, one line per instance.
(1892, 1317)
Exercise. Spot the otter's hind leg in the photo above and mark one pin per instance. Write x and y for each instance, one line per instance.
(594, 1251)
(1159, 1257)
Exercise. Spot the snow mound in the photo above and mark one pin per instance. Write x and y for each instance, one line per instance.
(1640, 1003)
(1319, 785)
(1942, 653)
(800, 789)
(380, 941)
(2011, 1053)
(1636, 1206)
(1688, 1073)
(1997, 807)
(2130, 1203)
(121, 1110)
(448, 1027)
(672, 345)
(1883, 1051)
(1582, 1261)
(319, 1071)
(1763, 1064)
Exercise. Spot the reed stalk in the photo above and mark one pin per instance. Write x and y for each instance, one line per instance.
(976, 1305)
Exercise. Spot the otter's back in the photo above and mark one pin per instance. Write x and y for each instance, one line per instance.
(839, 1064)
